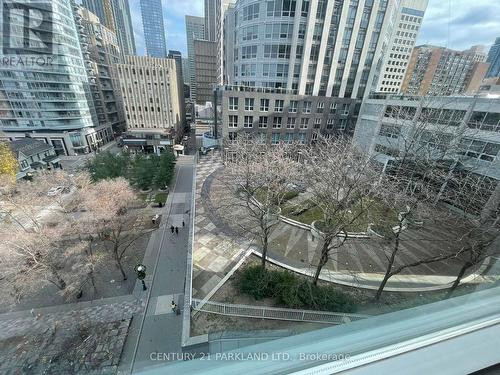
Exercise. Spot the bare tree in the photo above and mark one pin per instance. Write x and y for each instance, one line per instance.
(257, 177)
(344, 184)
(108, 213)
(424, 172)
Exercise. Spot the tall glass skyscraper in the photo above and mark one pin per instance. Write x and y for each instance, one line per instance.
(154, 30)
(494, 60)
(195, 29)
(46, 93)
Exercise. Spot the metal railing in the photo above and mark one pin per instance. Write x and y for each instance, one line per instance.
(265, 312)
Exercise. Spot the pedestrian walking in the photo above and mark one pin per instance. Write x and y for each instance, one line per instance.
(176, 230)
(183, 223)
(174, 306)
(172, 228)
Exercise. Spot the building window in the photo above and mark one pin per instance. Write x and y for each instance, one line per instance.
(293, 106)
(320, 107)
(288, 138)
(249, 104)
(306, 107)
(263, 122)
(278, 105)
(333, 108)
(290, 122)
(248, 122)
(301, 137)
(304, 122)
(390, 131)
(233, 121)
(275, 139)
(277, 122)
(264, 105)
(479, 149)
(329, 123)
(248, 52)
(317, 123)
(233, 104)
(251, 12)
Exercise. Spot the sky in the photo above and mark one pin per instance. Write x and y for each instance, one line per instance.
(456, 24)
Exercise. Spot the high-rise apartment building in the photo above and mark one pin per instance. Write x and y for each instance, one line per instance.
(494, 60)
(441, 71)
(185, 70)
(325, 48)
(101, 46)
(221, 7)
(404, 23)
(49, 96)
(211, 19)
(117, 20)
(308, 54)
(154, 103)
(195, 29)
(154, 29)
(205, 69)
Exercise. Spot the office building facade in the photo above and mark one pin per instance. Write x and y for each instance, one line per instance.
(494, 60)
(154, 103)
(153, 27)
(195, 29)
(463, 130)
(205, 70)
(52, 101)
(115, 15)
(441, 71)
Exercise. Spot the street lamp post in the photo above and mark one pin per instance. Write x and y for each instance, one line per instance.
(140, 270)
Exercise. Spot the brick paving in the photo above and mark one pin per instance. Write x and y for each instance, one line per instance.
(70, 341)
(216, 247)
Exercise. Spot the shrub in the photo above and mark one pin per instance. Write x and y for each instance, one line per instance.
(290, 195)
(292, 291)
(255, 282)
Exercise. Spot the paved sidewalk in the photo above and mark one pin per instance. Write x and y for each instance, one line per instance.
(214, 252)
(159, 330)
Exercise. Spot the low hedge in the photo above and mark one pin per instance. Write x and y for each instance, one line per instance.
(292, 291)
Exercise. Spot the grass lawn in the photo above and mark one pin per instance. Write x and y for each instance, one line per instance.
(377, 213)
(306, 217)
(161, 197)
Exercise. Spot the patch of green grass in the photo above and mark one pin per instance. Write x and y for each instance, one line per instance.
(376, 213)
(161, 197)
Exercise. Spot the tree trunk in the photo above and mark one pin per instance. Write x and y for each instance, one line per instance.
(264, 249)
(388, 272)
(322, 261)
(118, 261)
(461, 274)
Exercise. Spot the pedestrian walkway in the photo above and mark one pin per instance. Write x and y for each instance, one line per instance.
(159, 329)
(214, 252)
